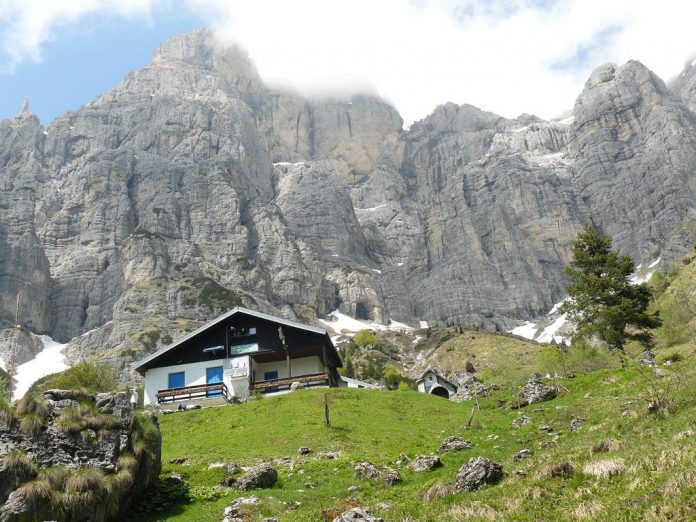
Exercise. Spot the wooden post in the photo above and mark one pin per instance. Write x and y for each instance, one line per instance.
(327, 421)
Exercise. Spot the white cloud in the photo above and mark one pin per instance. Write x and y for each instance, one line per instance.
(506, 56)
(27, 24)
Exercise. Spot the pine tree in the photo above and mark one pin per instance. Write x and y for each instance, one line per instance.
(603, 303)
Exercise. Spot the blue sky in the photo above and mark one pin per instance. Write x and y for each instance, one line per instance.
(85, 60)
(505, 56)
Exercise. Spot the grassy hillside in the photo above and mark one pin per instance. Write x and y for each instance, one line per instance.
(656, 453)
(637, 427)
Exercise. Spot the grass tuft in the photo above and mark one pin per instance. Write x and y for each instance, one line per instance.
(36, 492)
(19, 464)
(32, 404)
(436, 491)
(604, 468)
(31, 424)
(55, 476)
(557, 469)
(7, 413)
(605, 446)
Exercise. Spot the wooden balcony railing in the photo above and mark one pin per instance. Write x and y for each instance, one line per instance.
(315, 379)
(193, 392)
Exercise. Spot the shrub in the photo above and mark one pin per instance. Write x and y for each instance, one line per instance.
(31, 424)
(93, 378)
(403, 386)
(19, 464)
(365, 338)
(673, 357)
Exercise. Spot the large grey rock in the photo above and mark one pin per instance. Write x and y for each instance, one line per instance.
(261, 476)
(535, 391)
(478, 473)
(454, 443)
(425, 463)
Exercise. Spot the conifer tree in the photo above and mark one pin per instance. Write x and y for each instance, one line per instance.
(603, 303)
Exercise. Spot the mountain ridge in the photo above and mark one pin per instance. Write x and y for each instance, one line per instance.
(192, 187)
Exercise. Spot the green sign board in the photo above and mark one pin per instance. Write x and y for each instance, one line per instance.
(241, 349)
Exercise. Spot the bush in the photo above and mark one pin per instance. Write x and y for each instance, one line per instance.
(404, 386)
(93, 378)
(366, 338)
(673, 357)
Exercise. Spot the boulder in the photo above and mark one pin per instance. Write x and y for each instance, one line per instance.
(392, 477)
(454, 443)
(357, 514)
(535, 391)
(261, 476)
(478, 473)
(367, 471)
(304, 451)
(425, 463)
(297, 386)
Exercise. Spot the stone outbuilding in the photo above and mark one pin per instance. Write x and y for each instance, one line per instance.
(432, 382)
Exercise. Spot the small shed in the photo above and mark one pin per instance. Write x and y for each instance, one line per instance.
(432, 382)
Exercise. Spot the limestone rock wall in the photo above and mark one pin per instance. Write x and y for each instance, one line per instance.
(193, 187)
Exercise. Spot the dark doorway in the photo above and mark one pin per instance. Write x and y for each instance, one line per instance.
(440, 392)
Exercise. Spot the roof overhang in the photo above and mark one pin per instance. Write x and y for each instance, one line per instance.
(142, 365)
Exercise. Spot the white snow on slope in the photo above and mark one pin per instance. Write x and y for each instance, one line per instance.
(49, 360)
(528, 330)
(371, 209)
(2, 364)
(535, 331)
(346, 325)
(550, 332)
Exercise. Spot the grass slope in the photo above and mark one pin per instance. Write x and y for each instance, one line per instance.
(651, 453)
(659, 481)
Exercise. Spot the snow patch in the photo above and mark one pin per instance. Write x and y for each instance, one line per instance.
(655, 263)
(399, 264)
(371, 209)
(49, 360)
(549, 334)
(528, 330)
(346, 325)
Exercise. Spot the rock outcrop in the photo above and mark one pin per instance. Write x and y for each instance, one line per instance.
(478, 473)
(70, 439)
(193, 187)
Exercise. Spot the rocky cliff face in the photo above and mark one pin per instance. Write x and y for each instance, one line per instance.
(193, 187)
(76, 456)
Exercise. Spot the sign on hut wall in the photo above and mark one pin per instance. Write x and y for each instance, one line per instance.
(241, 349)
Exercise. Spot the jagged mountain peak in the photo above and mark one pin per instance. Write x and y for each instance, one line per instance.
(193, 187)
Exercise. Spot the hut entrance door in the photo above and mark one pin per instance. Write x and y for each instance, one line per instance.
(213, 376)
